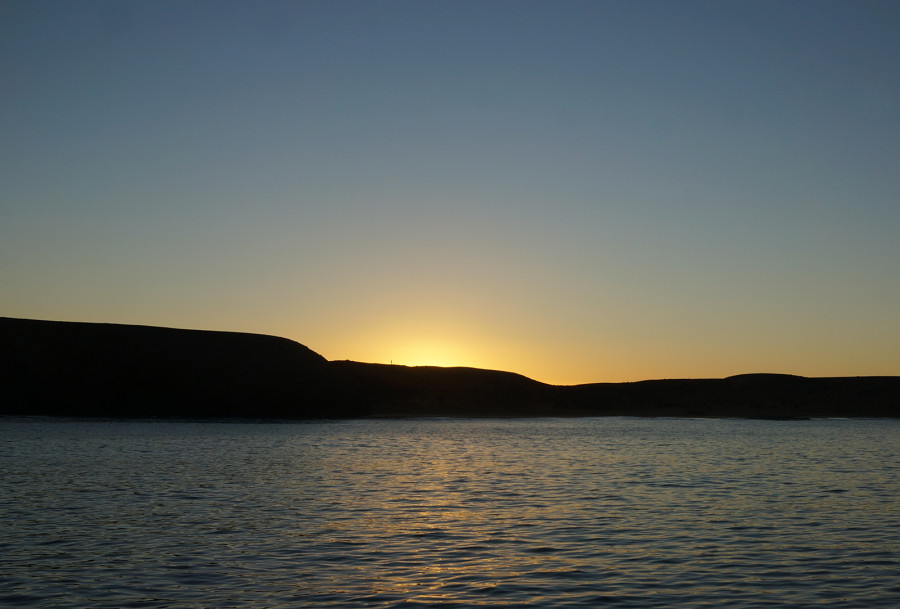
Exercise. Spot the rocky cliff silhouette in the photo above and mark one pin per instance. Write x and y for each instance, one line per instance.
(112, 370)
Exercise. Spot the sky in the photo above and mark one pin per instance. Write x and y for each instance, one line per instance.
(574, 191)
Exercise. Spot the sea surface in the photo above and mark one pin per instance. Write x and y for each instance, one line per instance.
(605, 512)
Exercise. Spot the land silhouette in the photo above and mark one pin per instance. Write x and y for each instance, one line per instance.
(75, 369)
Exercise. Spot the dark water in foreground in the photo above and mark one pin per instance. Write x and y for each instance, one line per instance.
(539, 513)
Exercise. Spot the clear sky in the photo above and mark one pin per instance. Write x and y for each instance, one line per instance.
(576, 191)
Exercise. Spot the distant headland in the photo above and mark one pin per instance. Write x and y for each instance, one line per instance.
(109, 370)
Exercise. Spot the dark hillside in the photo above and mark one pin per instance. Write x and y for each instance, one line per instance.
(433, 391)
(87, 369)
(769, 396)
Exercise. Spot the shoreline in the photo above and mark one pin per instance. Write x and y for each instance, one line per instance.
(123, 371)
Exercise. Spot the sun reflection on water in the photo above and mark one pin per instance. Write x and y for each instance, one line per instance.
(480, 512)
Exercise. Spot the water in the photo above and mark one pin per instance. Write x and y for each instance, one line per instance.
(521, 513)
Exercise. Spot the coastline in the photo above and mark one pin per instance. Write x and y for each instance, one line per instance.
(124, 371)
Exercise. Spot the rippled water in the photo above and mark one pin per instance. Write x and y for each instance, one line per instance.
(575, 512)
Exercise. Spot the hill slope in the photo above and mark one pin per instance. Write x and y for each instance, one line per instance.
(87, 369)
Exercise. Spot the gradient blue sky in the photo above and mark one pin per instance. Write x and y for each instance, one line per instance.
(577, 191)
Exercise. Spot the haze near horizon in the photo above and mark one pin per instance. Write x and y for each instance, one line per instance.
(574, 191)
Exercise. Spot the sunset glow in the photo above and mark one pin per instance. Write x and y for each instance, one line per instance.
(577, 191)
(430, 353)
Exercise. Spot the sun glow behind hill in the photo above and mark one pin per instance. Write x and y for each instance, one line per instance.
(576, 192)
(424, 352)
(421, 344)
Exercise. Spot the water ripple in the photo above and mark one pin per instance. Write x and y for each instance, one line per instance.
(574, 513)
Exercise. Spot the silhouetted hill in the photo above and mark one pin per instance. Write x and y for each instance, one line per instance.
(770, 396)
(434, 391)
(86, 369)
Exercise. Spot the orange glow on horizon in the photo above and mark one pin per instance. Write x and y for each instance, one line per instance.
(560, 356)
(429, 352)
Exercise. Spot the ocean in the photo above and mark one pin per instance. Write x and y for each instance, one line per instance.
(596, 512)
